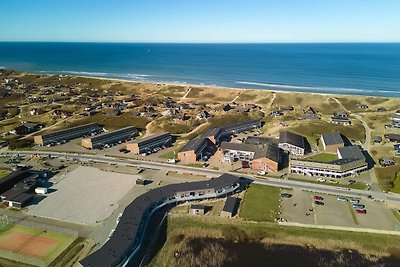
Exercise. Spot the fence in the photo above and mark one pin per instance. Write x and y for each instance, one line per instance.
(14, 255)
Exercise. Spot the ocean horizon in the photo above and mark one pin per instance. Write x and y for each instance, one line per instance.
(336, 68)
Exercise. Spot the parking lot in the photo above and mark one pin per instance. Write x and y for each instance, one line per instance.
(301, 208)
(84, 195)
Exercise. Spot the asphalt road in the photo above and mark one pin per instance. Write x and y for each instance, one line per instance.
(321, 188)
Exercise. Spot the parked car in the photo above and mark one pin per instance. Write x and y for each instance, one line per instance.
(351, 182)
(358, 206)
(317, 202)
(333, 182)
(354, 201)
(342, 199)
(245, 165)
(262, 173)
(287, 195)
(361, 211)
(321, 180)
(318, 198)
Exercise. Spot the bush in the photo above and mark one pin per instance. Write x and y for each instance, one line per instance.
(20, 143)
(176, 239)
(234, 234)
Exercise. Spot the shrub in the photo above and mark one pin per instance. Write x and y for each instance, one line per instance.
(234, 234)
(20, 143)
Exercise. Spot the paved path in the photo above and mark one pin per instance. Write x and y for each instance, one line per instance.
(327, 189)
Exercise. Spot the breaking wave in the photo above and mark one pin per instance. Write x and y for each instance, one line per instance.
(318, 89)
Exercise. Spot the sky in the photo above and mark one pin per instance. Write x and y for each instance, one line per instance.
(200, 20)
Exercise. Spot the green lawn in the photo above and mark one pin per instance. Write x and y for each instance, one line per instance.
(196, 165)
(324, 157)
(261, 203)
(4, 173)
(173, 153)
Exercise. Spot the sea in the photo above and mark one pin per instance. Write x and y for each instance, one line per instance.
(336, 68)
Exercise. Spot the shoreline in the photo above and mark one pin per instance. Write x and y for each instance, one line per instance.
(216, 86)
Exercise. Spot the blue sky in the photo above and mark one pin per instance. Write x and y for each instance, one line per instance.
(200, 20)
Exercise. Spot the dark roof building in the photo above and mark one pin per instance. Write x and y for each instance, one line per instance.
(393, 137)
(258, 140)
(350, 152)
(215, 134)
(195, 149)
(293, 143)
(230, 207)
(16, 188)
(262, 157)
(8, 182)
(26, 128)
(333, 138)
(68, 134)
(377, 139)
(125, 242)
(149, 143)
(332, 141)
(350, 163)
(103, 139)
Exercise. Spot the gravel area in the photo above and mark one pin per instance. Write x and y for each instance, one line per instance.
(85, 195)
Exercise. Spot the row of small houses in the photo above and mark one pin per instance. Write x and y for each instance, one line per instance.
(95, 138)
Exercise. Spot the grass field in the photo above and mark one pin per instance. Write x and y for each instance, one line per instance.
(180, 228)
(32, 245)
(261, 203)
(4, 173)
(174, 153)
(324, 157)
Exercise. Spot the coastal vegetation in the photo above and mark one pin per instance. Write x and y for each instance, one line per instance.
(389, 177)
(225, 239)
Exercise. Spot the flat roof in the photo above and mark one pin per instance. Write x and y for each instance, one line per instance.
(21, 198)
(15, 176)
(333, 138)
(12, 193)
(127, 236)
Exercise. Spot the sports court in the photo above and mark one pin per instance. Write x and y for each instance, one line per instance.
(32, 245)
